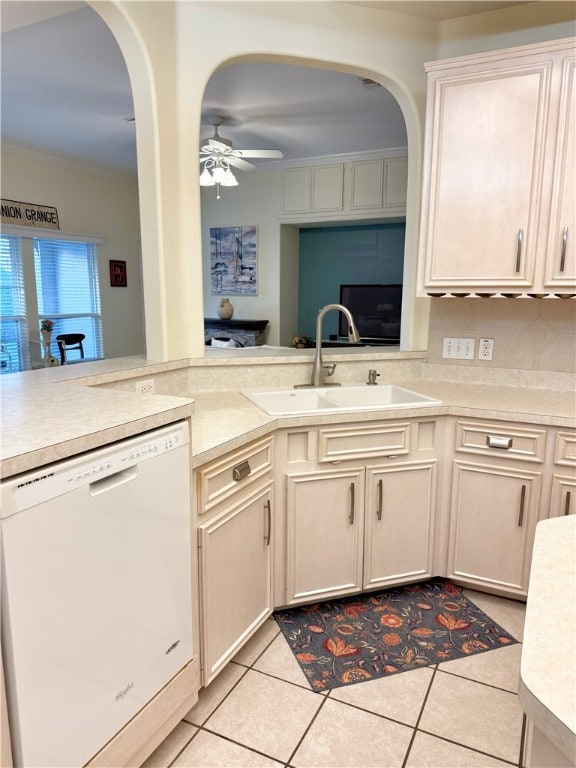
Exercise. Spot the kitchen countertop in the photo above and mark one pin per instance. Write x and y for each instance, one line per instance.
(548, 665)
(54, 413)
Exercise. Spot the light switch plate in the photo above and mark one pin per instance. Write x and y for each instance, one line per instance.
(458, 348)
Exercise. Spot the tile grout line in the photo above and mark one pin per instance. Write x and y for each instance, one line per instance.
(479, 682)
(416, 724)
(309, 726)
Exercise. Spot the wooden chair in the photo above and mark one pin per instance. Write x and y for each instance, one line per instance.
(69, 341)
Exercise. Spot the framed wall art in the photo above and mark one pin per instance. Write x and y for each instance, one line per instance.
(118, 277)
(233, 261)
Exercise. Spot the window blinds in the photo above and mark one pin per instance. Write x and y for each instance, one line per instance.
(68, 290)
(13, 326)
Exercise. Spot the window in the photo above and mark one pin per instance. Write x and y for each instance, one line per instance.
(62, 285)
(13, 325)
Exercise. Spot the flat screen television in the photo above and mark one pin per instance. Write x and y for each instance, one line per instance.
(376, 310)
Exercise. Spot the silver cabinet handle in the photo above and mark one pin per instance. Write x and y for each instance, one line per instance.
(352, 503)
(268, 509)
(522, 502)
(567, 503)
(241, 471)
(380, 498)
(499, 441)
(563, 251)
(519, 241)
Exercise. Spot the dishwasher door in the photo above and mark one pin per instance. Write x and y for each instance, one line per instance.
(96, 593)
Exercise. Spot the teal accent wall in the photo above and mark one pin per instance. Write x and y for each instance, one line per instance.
(331, 256)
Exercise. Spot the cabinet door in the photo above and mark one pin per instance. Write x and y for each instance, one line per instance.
(396, 183)
(399, 523)
(493, 517)
(327, 185)
(485, 147)
(325, 525)
(235, 578)
(296, 191)
(561, 250)
(367, 184)
(562, 496)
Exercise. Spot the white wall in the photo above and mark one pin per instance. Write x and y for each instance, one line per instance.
(94, 204)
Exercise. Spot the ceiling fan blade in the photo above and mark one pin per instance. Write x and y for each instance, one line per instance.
(258, 153)
(239, 163)
(215, 144)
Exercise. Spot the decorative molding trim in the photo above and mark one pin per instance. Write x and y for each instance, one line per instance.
(29, 154)
(352, 157)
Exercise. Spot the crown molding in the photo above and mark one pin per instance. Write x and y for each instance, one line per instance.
(351, 157)
(28, 154)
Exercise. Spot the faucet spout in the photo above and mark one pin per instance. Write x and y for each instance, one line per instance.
(319, 370)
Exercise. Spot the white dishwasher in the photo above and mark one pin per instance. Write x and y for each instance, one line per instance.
(96, 593)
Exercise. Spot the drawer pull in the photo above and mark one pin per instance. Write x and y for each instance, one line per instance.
(563, 251)
(567, 503)
(519, 241)
(268, 508)
(380, 498)
(522, 502)
(352, 503)
(499, 441)
(241, 471)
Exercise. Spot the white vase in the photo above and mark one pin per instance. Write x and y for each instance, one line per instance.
(225, 310)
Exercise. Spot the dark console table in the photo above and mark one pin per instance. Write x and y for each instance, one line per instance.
(249, 333)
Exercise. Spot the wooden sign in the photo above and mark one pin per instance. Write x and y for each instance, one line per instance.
(29, 215)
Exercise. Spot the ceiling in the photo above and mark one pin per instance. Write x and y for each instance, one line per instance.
(66, 92)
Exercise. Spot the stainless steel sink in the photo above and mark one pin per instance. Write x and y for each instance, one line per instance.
(298, 402)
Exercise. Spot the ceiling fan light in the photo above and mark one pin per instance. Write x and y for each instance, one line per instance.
(219, 174)
(206, 179)
(229, 179)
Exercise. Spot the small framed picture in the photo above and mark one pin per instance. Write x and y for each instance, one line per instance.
(118, 274)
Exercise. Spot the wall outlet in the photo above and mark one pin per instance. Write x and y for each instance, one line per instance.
(458, 349)
(485, 349)
(145, 386)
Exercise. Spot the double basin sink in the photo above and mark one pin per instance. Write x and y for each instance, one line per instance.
(335, 399)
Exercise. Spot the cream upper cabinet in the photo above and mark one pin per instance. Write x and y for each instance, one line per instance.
(561, 244)
(497, 124)
(356, 189)
(313, 190)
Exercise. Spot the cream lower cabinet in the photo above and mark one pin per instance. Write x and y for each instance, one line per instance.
(358, 510)
(493, 517)
(235, 540)
(497, 479)
(399, 523)
(563, 486)
(324, 534)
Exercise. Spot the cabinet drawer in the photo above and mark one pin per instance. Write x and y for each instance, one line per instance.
(514, 442)
(565, 448)
(363, 441)
(219, 479)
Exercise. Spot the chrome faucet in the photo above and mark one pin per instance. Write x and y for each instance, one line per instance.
(372, 374)
(319, 370)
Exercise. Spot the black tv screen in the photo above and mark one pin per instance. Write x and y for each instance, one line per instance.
(376, 310)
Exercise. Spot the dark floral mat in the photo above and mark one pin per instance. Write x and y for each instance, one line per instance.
(346, 641)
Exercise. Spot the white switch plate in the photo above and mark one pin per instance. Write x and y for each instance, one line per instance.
(458, 348)
(147, 385)
(485, 349)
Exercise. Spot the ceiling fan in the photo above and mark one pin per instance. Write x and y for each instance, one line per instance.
(217, 154)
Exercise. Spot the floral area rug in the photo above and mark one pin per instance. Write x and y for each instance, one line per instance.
(346, 641)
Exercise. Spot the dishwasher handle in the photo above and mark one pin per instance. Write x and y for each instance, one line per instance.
(113, 481)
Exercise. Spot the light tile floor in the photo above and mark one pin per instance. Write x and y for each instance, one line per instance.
(260, 711)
